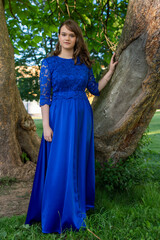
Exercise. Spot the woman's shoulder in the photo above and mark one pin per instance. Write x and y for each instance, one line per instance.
(50, 59)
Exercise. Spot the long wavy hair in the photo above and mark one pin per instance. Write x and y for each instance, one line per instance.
(80, 48)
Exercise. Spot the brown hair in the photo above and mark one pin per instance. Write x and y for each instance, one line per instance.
(80, 48)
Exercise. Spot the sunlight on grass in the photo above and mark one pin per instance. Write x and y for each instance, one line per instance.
(154, 132)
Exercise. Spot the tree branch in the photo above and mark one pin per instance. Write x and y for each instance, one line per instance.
(108, 8)
(10, 8)
(61, 11)
(67, 7)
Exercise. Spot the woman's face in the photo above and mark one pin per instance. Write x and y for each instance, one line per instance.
(67, 38)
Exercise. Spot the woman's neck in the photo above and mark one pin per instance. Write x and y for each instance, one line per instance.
(66, 53)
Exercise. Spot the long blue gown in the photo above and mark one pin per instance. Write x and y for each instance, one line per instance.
(64, 183)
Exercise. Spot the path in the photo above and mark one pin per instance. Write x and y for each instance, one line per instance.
(14, 199)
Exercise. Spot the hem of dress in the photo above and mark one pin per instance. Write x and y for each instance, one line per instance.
(82, 225)
(49, 232)
(88, 207)
(64, 230)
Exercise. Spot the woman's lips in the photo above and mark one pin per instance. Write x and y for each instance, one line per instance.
(66, 42)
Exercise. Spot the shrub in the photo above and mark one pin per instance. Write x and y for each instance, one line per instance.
(127, 172)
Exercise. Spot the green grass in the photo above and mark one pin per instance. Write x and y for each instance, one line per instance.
(39, 126)
(7, 181)
(125, 215)
(154, 133)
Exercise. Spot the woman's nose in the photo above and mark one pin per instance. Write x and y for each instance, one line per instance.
(67, 36)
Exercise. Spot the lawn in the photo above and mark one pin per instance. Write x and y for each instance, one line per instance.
(154, 133)
(39, 126)
(118, 215)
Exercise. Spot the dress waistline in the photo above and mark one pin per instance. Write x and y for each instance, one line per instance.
(69, 94)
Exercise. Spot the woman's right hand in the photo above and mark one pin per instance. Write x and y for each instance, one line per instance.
(48, 134)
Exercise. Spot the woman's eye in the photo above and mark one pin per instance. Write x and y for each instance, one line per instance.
(71, 35)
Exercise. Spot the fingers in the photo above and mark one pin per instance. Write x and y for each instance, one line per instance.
(113, 59)
(48, 133)
(115, 63)
(49, 137)
(114, 54)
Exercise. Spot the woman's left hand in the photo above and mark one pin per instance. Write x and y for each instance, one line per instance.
(112, 64)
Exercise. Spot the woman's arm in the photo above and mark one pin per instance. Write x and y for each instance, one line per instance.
(47, 131)
(105, 79)
(45, 100)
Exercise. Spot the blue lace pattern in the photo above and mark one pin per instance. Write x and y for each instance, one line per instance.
(92, 85)
(45, 84)
(66, 79)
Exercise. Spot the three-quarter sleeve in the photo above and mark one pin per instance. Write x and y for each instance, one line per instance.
(45, 84)
(92, 85)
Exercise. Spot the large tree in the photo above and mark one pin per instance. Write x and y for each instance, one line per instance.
(17, 129)
(120, 116)
(126, 106)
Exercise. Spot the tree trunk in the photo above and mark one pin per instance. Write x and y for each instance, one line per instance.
(17, 129)
(128, 103)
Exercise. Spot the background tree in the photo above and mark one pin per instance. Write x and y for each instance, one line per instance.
(17, 132)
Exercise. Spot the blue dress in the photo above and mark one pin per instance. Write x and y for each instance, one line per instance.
(64, 183)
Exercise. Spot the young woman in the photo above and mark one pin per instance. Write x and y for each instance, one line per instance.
(64, 183)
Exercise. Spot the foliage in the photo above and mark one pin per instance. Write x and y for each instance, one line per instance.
(141, 167)
(24, 157)
(33, 30)
(143, 143)
(126, 173)
(28, 83)
(7, 181)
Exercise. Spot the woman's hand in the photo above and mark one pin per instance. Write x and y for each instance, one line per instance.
(112, 64)
(48, 133)
(102, 83)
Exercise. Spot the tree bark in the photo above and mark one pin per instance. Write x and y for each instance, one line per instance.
(126, 105)
(17, 128)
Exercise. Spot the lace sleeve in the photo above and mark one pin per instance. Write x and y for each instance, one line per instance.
(45, 84)
(92, 85)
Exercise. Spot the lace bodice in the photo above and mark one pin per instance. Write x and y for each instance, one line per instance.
(62, 75)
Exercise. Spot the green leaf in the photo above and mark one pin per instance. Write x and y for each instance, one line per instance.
(16, 51)
(37, 39)
(87, 19)
(3, 234)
